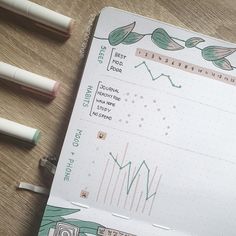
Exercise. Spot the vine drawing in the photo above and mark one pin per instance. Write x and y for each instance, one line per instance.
(215, 54)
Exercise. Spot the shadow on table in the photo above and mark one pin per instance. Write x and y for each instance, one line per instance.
(29, 26)
(70, 103)
(11, 141)
(13, 88)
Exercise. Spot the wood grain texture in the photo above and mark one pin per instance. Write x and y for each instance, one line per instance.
(26, 46)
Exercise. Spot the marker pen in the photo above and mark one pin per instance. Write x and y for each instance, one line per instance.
(40, 14)
(19, 131)
(28, 80)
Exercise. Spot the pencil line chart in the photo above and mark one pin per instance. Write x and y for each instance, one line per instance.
(130, 180)
(159, 76)
(128, 185)
(186, 66)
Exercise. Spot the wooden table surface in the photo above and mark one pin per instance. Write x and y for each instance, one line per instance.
(26, 46)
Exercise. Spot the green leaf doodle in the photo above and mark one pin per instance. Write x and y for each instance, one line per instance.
(223, 64)
(54, 215)
(52, 211)
(85, 227)
(192, 42)
(118, 35)
(132, 37)
(44, 230)
(162, 39)
(212, 53)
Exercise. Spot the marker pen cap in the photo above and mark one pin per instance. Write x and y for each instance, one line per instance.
(19, 131)
(39, 13)
(52, 18)
(29, 79)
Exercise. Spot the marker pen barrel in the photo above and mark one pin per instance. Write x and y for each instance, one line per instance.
(39, 14)
(29, 80)
(19, 131)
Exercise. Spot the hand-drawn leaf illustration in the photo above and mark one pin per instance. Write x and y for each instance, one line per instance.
(212, 53)
(194, 41)
(132, 37)
(82, 234)
(161, 38)
(118, 35)
(223, 64)
(44, 230)
(85, 227)
(52, 211)
(52, 215)
(47, 220)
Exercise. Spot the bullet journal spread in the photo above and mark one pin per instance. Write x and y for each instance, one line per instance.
(150, 147)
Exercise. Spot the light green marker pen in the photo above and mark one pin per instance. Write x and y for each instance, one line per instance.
(19, 131)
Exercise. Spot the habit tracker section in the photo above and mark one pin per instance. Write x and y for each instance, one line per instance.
(104, 101)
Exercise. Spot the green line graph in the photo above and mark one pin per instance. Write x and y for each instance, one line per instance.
(131, 180)
(159, 76)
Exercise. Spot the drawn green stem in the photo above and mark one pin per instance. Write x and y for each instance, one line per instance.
(181, 40)
(198, 48)
(160, 37)
(159, 76)
(178, 39)
(100, 38)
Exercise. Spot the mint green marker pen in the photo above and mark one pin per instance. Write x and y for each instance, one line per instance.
(19, 131)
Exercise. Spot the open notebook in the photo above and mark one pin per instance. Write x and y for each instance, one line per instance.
(150, 148)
